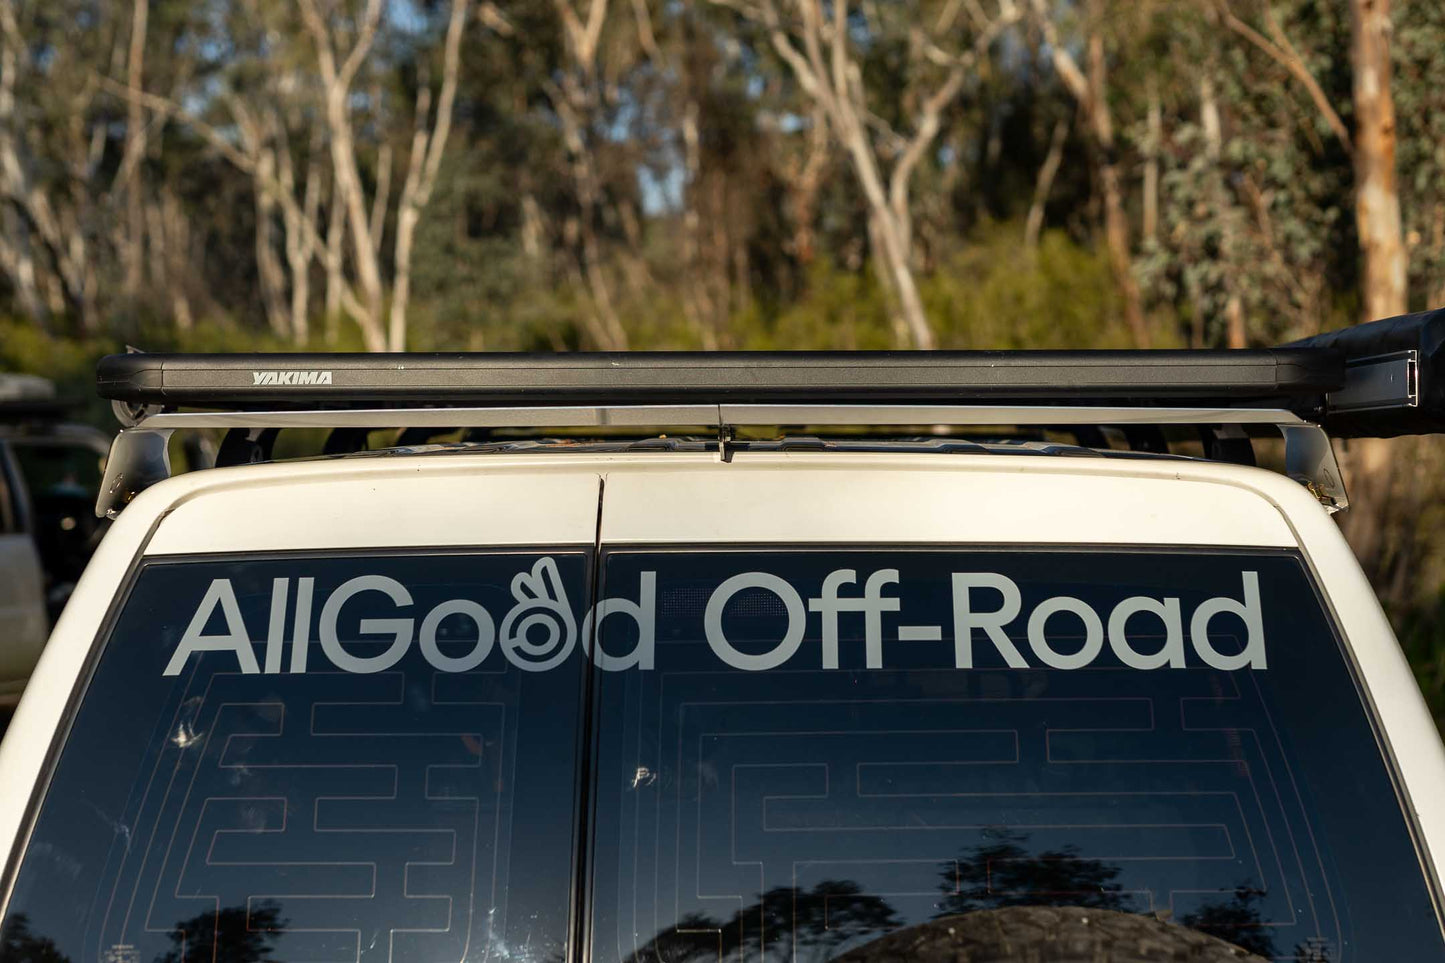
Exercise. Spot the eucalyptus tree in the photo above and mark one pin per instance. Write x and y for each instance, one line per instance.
(823, 46)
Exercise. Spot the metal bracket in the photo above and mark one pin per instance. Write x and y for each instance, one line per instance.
(1309, 459)
(724, 442)
(1383, 381)
(139, 457)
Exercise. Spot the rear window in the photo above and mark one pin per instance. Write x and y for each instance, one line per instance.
(737, 755)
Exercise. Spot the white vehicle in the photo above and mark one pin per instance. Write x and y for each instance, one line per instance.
(684, 687)
(32, 532)
(22, 588)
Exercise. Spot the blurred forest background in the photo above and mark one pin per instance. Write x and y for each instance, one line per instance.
(608, 174)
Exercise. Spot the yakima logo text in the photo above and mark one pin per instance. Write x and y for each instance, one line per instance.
(290, 378)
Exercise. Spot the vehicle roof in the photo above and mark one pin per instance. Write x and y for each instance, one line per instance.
(759, 496)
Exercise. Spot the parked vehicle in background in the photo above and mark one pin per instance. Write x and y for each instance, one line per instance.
(50, 471)
(736, 667)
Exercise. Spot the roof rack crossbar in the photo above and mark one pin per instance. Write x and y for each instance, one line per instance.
(139, 457)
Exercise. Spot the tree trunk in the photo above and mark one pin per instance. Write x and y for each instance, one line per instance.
(886, 280)
(604, 328)
(803, 187)
(1044, 184)
(19, 266)
(335, 279)
(1437, 251)
(168, 234)
(1091, 92)
(1377, 200)
(135, 146)
(268, 265)
(1151, 164)
(892, 238)
(533, 230)
(299, 250)
(1235, 332)
(348, 186)
(1116, 222)
(696, 295)
(406, 221)
(1371, 464)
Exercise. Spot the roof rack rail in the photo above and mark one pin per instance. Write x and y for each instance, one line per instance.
(1376, 379)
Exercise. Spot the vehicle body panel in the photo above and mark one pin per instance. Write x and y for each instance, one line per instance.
(454, 499)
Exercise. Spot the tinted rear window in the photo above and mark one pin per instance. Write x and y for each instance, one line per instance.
(235, 800)
(776, 755)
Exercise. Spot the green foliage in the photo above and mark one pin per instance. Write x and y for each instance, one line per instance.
(68, 361)
(839, 309)
(996, 294)
(1421, 630)
(1255, 192)
(1419, 51)
(991, 294)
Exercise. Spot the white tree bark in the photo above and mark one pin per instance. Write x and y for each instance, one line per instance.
(572, 100)
(1045, 182)
(133, 250)
(1090, 91)
(817, 50)
(336, 86)
(335, 278)
(60, 236)
(19, 265)
(301, 248)
(1151, 164)
(427, 147)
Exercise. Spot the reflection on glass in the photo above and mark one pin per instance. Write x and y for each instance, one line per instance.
(232, 934)
(1005, 873)
(808, 769)
(20, 944)
(809, 924)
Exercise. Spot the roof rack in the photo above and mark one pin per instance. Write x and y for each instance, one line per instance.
(647, 378)
(1375, 379)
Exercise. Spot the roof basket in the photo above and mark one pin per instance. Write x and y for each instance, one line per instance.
(1377, 383)
(30, 398)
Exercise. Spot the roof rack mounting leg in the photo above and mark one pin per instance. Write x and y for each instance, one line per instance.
(139, 457)
(724, 442)
(412, 437)
(345, 440)
(1227, 443)
(246, 446)
(1148, 438)
(1309, 459)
